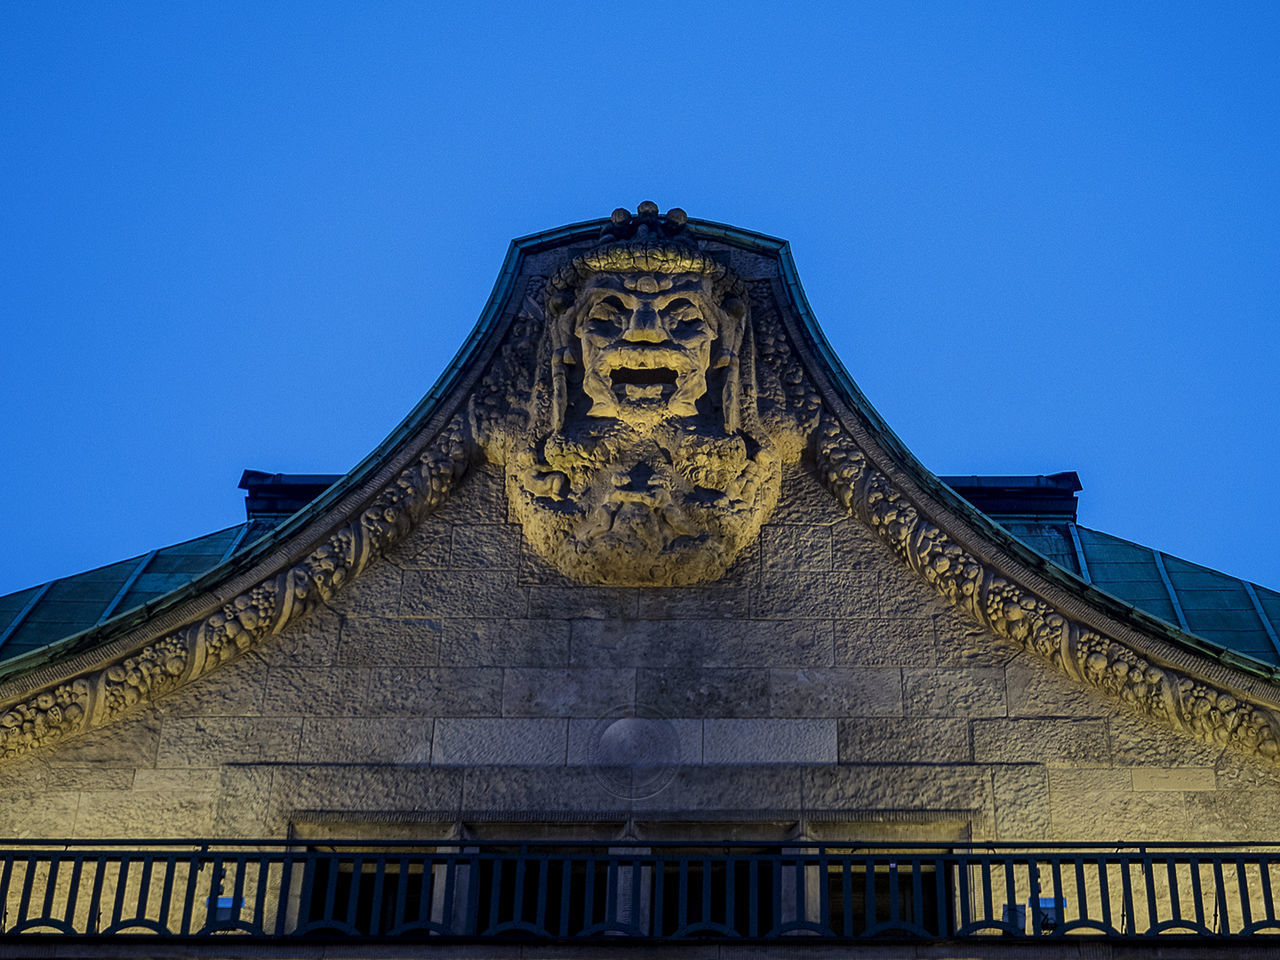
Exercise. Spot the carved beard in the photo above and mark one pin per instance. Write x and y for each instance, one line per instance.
(672, 507)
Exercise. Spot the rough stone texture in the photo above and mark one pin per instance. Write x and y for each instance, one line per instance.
(503, 642)
(1021, 801)
(373, 641)
(886, 739)
(835, 692)
(1071, 743)
(954, 692)
(434, 692)
(500, 741)
(460, 676)
(365, 740)
(769, 741)
(539, 692)
(585, 740)
(202, 741)
(708, 692)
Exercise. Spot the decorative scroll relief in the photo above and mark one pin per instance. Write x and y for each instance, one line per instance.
(1184, 703)
(639, 455)
(101, 696)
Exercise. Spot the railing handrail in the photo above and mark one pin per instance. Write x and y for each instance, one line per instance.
(927, 847)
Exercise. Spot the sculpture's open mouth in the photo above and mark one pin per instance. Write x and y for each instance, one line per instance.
(643, 383)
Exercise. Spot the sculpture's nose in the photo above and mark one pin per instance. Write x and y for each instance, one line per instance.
(643, 326)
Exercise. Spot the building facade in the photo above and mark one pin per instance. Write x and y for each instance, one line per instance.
(642, 629)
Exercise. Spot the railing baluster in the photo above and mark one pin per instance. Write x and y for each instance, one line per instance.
(51, 886)
(730, 891)
(589, 906)
(846, 896)
(379, 886)
(166, 890)
(1149, 878)
(471, 922)
(263, 875)
(426, 891)
(659, 894)
(824, 889)
(753, 897)
(1126, 901)
(1010, 883)
(775, 919)
(802, 905)
(1224, 920)
(1104, 894)
(962, 883)
(122, 881)
(73, 891)
(940, 894)
(144, 888)
(353, 895)
(5, 876)
(1082, 895)
(566, 894)
(95, 897)
(28, 881)
(1264, 872)
(331, 888)
(1197, 894)
(1033, 884)
(707, 875)
(988, 905)
(287, 866)
(682, 906)
(1059, 892)
(869, 895)
(917, 893)
(1242, 882)
(495, 895)
(310, 867)
(241, 866)
(1175, 902)
(540, 917)
(517, 912)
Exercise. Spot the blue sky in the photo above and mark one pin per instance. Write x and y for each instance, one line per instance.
(1042, 236)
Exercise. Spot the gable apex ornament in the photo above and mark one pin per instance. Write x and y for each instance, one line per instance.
(639, 454)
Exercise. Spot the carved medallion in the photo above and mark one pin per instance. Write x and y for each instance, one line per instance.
(641, 458)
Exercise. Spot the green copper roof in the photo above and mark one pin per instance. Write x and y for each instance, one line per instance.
(1240, 616)
(38, 616)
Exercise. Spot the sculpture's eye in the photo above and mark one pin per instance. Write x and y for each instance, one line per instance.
(682, 312)
(607, 310)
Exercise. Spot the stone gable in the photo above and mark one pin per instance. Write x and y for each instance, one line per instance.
(461, 679)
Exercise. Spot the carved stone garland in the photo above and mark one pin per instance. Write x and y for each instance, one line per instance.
(1188, 705)
(101, 696)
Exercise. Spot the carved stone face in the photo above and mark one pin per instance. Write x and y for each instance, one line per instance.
(642, 460)
(646, 344)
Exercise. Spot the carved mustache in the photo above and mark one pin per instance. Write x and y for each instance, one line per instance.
(645, 358)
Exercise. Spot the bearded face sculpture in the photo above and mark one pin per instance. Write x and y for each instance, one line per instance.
(646, 464)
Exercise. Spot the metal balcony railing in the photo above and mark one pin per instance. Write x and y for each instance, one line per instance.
(649, 892)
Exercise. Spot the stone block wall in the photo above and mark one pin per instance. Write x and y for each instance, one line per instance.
(461, 678)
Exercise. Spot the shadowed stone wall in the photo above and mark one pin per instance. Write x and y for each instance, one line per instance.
(462, 678)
